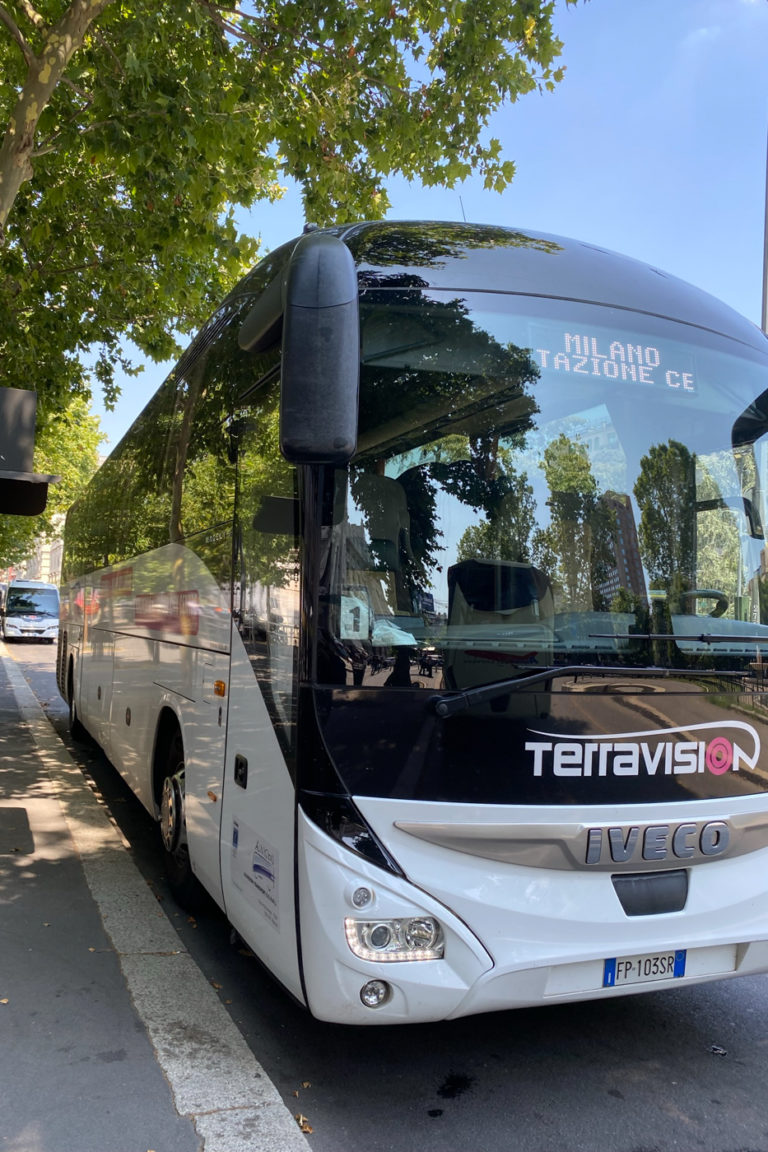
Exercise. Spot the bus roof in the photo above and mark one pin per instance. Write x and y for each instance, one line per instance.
(475, 257)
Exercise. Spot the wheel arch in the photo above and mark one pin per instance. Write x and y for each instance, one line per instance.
(70, 678)
(168, 726)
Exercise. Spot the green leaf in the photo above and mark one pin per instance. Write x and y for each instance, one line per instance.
(177, 111)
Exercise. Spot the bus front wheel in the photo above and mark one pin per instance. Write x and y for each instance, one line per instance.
(173, 830)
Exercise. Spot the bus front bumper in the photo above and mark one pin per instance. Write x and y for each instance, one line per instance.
(345, 988)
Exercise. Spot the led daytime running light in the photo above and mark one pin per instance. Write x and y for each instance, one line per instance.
(417, 938)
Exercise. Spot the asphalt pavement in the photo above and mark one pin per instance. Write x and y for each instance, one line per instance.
(112, 1040)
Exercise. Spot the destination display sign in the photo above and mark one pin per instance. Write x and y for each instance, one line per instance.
(626, 361)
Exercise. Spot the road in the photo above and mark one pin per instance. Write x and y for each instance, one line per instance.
(678, 1070)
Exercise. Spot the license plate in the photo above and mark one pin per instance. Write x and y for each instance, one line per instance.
(640, 969)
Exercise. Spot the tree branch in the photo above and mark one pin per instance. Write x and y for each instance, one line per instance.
(86, 96)
(52, 145)
(45, 72)
(16, 33)
(224, 25)
(226, 20)
(32, 14)
(102, 40)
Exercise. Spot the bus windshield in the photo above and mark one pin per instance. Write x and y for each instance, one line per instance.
(32, 602)
(542, 483)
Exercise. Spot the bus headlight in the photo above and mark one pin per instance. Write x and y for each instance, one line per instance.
(417, 938)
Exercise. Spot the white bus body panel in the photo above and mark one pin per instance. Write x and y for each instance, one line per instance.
(258, 830)
(93, 695)
(145, 649)
(534, 935)
(141, 658)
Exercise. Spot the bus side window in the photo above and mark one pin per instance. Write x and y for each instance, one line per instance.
(267, 576)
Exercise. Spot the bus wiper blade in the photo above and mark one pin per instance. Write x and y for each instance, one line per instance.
(462, 701)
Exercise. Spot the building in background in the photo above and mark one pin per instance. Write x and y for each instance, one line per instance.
(43, 563)
(627, 572)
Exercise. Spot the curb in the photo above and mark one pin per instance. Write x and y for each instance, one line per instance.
(216, 1081)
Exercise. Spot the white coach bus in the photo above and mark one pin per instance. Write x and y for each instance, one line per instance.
(425, 607)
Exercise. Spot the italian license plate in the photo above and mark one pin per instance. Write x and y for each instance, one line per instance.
(640, 969)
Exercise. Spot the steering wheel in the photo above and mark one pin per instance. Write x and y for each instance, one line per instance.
(721, 599)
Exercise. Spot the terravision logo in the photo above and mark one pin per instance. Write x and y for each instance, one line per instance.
(722, 746)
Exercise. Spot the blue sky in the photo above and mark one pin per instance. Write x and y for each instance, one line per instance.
(653, 145)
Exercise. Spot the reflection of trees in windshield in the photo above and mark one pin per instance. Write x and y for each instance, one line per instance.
(428, 365)
(267, 495)
(385, 245)
(506, 533)
(576, 549)
(496, 462)
(665, 491)
(171, 477)
(718, 544)
(694, 531)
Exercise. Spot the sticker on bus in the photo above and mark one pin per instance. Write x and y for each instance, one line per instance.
(639, 969)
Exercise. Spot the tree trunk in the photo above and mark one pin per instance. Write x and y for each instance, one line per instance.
(44, 71)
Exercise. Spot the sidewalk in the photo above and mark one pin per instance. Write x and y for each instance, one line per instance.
(111, 1039)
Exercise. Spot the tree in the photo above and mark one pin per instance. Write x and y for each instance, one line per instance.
(665, 493)
(506, 534)
(450, 369)
(576, 548)
(720, 552)
(71, 438)
(133, 129)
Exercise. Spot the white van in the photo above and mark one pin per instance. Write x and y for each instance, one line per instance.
(30, 611)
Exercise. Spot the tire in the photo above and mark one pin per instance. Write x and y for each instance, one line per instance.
(184, 885)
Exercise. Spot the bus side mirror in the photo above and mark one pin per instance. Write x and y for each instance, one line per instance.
(321, 354)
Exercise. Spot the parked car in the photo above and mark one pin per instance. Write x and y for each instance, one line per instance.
(30, 611)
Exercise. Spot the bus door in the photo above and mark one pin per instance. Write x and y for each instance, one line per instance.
(257, 837)
(98, 642)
